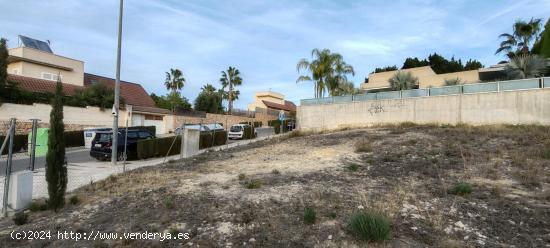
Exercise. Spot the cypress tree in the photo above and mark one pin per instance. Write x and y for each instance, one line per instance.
(56, 171)
(3, 66)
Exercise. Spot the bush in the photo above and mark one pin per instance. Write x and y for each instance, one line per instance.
(276, 172)
(20, 218)
(276, 124)
(209, 139)
(74, 138)
(74, 200)
(370, 226)
(158, 147)
(252, 184)
(168, 203)
(309, 215)
(258, 124)
(19, 143)
(241, 176)
(353, 167)
(461, 188)
(363, 146)
(248, 132)
(36, 206)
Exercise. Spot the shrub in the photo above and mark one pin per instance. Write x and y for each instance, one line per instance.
(276, 124)
(332, 214)
(363, 146)
(168, 203)
(309, 215)
(74, 138)
(158, 147)
(209, 139)
(461, 188)
(74, 200)
(242, 176)
(21, 218)
(248, 132)
(276, 172)
(370, 226)
(252, 184)
(36, 206)
(19, 143)
(353, 167)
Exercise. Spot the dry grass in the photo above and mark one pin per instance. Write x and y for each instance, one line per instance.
(363, 145)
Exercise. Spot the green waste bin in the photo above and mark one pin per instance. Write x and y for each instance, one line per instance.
(41, 142)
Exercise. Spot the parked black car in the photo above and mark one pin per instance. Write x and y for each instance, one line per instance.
(102, 142)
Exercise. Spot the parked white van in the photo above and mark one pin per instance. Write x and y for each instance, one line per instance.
(237, 131)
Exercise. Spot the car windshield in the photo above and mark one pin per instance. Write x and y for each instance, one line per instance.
(236, 129)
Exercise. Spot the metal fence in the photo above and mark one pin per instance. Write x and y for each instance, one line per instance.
(522, 84)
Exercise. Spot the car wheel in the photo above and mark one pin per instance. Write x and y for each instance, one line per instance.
(120, 156)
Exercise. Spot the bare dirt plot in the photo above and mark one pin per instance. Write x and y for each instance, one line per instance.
(256, 196)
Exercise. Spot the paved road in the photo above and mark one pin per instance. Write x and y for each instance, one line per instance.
(21, 161)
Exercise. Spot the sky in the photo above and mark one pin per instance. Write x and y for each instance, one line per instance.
(263, 39)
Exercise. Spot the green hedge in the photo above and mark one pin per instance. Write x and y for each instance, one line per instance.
(74, 138)
(206, 138)
(19, 143)
(158, 147)
(248, 132)
(276, 124)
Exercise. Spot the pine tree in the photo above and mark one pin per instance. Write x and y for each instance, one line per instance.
(56, 171)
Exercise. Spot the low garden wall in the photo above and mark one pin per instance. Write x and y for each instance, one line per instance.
(505, 107)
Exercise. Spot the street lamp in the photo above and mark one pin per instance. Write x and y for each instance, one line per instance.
(117, 90)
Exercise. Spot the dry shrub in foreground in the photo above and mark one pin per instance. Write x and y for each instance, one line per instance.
(363, 145)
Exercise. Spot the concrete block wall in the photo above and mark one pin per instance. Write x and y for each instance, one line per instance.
(506, 107)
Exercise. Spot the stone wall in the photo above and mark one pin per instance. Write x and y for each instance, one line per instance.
(506, 107)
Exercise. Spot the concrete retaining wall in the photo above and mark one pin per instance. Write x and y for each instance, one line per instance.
(507, 107)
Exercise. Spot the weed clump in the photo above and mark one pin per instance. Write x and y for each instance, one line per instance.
(36, 206)
(363, 146)
(242, 176)
(168, 203)
(353, 167)
(21, 218)
(74, 200)
(252, 184)
(276, 172)
(310, 216)
(461, 188)
(370, 226)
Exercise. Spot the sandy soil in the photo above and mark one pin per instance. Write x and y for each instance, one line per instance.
(255, 196)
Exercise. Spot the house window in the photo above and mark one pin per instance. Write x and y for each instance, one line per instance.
(51, 76)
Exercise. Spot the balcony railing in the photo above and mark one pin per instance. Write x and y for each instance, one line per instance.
(522, 84)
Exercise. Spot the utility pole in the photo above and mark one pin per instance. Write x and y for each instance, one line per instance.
(33, 144)
(117, 90)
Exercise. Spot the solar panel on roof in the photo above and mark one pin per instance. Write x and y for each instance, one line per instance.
(36, 44)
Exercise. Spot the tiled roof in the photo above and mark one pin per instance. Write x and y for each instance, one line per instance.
(288, 106)
(42, 85)
(133, 94)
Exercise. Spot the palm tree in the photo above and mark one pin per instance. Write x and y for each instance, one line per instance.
(230, 79)
(208, 88)
(174, 80)
(403, 81)
(520, 39)
(526, 66)
(327, 70)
